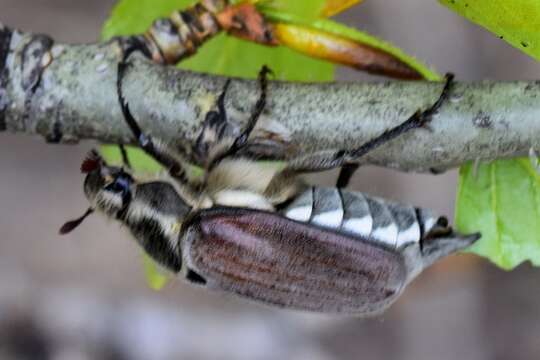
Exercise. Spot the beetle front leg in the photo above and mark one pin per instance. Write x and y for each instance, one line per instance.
(157, 150)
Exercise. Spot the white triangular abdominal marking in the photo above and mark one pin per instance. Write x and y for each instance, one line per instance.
(327, 207)
(406, 221)
(367, 217)
(387, 234)
(412, 234)
(384, 226)
(426, 218)
(360, 226)
(301, 213)
(331, 219)
(301, 208)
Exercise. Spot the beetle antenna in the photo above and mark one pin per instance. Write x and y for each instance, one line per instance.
(72, 224)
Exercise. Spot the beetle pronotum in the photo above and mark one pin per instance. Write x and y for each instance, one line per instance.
(262, 233)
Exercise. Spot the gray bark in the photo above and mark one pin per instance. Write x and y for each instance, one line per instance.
(67, 93)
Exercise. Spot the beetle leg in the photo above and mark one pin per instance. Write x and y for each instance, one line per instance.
(345, 174)
(125, 158)
(241, 140)
(351, 159)
(159, 151)
(215, 129)
(419, 119)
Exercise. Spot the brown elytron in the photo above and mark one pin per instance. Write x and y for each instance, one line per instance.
(264, 256)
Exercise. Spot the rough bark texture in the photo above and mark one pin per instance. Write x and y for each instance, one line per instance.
(67, 93)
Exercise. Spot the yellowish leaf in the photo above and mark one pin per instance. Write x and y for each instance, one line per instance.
(341, 50)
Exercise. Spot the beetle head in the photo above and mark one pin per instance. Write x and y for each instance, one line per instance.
(108, 188)
(113, 191)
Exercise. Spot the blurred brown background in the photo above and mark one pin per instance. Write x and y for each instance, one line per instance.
(84, 296)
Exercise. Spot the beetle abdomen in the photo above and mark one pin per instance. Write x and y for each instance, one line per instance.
(359, 215)
(267, 257)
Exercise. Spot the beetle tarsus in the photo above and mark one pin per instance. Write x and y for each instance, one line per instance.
(419, 119)
(241, 140)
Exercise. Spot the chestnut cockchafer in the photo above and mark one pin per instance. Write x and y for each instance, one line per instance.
(260, 232)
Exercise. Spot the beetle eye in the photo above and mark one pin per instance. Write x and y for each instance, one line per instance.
(120, 184)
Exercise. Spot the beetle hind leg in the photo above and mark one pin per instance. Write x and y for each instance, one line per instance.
(345, 175)
(351, 160)
(418, 120)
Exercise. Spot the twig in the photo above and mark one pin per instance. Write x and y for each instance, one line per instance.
(67, 93)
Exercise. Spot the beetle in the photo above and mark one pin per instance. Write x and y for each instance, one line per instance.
(264, 234)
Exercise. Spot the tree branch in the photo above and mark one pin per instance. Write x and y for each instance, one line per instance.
(67, 93)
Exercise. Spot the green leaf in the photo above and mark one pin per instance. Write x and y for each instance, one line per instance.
(155, 277)
(222, 55)
(138, 159)
(501, 199)
(515, 21)
(338, 29)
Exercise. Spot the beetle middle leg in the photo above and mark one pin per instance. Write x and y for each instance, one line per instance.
(351, 159)
(228, 149)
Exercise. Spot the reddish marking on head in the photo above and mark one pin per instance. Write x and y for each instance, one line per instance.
(91, 162)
